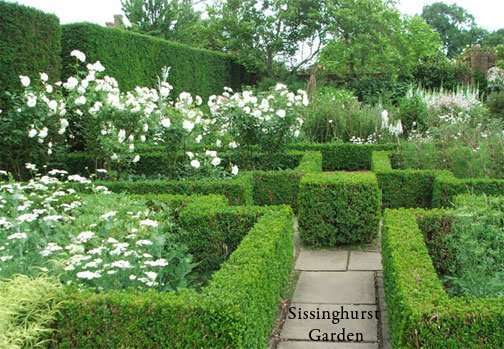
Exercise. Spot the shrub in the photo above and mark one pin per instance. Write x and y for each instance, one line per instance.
(270, 120)
(198, 71)
(349, 157)
(28, 308)
(474, 247)
(420, 312)
(30, 43)
(403, 188)
(237, 309)
(495, 103)
(413, 114)
(338, 208)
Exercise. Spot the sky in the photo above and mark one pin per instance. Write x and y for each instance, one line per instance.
(486, 12)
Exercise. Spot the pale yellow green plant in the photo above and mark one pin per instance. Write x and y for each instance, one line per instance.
(28, 306)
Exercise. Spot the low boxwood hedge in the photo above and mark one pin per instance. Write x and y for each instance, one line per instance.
(237, 309)
(421, 313)
(446, 187)
(338, 208)
(425, 188)
(349, 157)
(237, 190)
(403, 188)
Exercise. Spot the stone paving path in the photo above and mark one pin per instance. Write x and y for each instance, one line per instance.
(329, 280)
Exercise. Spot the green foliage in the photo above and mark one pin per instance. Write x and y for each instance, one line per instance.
(349, 157)
(236, 310)
(455, 25)
(30, 43)
(174, 20)
(495, 103)
(197, 71)
(237, 190)
(338, 208)
(402, 188)
(311, 162)
(413, 114)
(420, 312)
(28, 308)
(438, 72)
(276, 187)
(258, 32)
(337, 115)
(446, 187)
(372, 46)
(475, 247)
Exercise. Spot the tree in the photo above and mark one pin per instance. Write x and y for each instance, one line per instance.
(174, 20)
(456, 26)
(260, 32)
(370, 38)
(494, 39)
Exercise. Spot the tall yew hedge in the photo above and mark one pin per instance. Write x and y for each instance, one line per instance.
(136, 60)
(30, 43)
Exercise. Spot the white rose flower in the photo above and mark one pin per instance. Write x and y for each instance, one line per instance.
(280, 113)
(25, 80)
(79, 55)
(44, 77)
(216, 161)
(32, 133)
(195, 164)
(165, 122)
(234, 170)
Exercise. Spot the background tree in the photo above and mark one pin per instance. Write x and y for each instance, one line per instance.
(174, 20)
(456, 26)
(370, 38)
(259, 33)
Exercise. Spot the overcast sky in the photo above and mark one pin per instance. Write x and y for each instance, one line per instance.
(488, 13)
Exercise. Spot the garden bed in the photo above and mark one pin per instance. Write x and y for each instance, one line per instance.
(236, 309)
(421, 312)
(414, 188)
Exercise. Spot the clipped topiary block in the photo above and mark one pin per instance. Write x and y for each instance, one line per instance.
(338, 208)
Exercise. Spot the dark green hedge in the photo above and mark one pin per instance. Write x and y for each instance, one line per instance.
(446, 187)
(237, 190)
(136, 59)
(421, 314)
(276, 187)
(403, 188)
(237, 309)
(30, 43)
(338, 208)
(161, 163)
(349, 157)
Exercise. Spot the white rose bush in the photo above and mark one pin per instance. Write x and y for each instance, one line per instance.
(269, 120)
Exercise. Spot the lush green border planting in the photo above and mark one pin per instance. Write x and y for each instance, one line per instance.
(142, 57)
(338, 208)
(30, 43)
(421, 314)
(236, 310)
(425, 188)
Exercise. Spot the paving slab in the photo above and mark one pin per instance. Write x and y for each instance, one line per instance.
(365, 261)
(325, 345)
(351, 287)
(364, 320)
(322, 260)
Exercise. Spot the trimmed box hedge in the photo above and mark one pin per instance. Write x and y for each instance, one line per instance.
(338, 208)
(30, 43)
(237, 190)
(421, 313)
(136, 59)
(403, 188)
(349, 157)
(446, 187)
(412, 188)
(237, 309)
